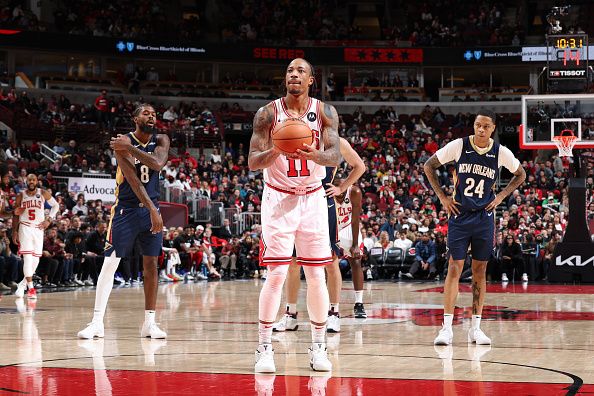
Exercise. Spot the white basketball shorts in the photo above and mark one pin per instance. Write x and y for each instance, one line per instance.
(294, 221)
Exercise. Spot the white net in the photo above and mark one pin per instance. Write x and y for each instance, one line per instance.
(565, 143)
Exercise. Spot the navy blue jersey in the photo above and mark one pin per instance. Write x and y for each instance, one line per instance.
(475, 176)
(149, 178)
(330, 172)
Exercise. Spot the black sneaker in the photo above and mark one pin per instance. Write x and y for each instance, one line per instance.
(359, 311)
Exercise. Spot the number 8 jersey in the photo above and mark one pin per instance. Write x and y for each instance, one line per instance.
(476, 170)
(290, 173)
(148, 177)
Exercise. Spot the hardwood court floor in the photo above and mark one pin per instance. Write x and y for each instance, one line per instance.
(543, 344)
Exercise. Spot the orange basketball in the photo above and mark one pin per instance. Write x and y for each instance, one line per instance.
(291, 134)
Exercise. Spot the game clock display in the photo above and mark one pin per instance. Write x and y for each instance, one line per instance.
(568, 56)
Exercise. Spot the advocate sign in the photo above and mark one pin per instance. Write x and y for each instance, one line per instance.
(93, 188)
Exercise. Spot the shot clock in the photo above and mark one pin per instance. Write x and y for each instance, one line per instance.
(567, 56)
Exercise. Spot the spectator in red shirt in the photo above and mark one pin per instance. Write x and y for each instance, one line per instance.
(189, 161)
(431, 147)
(102, 109)
(392, 134)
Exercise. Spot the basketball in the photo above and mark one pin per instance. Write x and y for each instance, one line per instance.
(291, 134)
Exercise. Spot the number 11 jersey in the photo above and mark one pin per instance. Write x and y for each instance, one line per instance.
(149, 178)
(290, 173)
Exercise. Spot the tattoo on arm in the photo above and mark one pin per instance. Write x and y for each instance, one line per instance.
(262, 154)
(356, 215)
(353, 159)
(331, 155)
(157, 160)
(16, 219)
(430, 167)
(129, 170)
(519, 177)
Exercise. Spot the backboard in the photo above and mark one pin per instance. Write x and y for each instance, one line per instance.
(546, 116)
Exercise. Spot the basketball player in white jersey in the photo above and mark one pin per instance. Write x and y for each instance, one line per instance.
(289, 320)
(294, 209)
(29, 222)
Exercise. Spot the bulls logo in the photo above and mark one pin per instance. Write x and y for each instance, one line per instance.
(311, 116)
(347, 200)
(38, 196)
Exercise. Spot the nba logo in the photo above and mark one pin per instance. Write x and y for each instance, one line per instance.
(130, 46)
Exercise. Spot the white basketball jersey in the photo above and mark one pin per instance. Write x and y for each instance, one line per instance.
(290, 173)
(344, 210)
(34, 213)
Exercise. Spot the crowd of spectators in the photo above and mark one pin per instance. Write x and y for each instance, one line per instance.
(399, 207)
(122, 19)
(282, 23)
(186, 122)
(450, 23)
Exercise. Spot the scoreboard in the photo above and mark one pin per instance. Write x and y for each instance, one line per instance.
(567, 61)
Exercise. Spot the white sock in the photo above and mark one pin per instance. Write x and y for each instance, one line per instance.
(318, 333)
(476, 321)
(334, 307)
(358, 296)
(264, 333)
(447, 320)
(318, 300)
(270, 300)
(30, 285)
(30, 264)
(292, 308)
(149, 316)
(104, 286)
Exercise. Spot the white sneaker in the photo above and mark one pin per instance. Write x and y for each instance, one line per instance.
(287, 323)
(88, 282)
(265, 359)
(152, 330)
(78, 282)
(444, 337)
(504, 277)
(477, 336)
(524, 277)
(164, 278)
(201, 276)
(333, 324)
(318, 357)
(93, 329)
(189, 277)
(19, 292)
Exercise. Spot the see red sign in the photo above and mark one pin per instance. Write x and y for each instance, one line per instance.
(277, 53)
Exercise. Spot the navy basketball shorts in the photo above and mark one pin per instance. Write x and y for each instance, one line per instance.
(128, 224)
(474, 229)
(333, 227)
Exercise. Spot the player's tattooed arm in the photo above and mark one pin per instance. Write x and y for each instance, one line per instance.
(331, 155)
(262, 152)
(16, 219)
(519, 177)
(448, 203)
(356, 200)
(430, 166)
(126, 164)
(155, 161)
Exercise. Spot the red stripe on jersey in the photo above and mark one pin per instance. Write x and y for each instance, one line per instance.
(286, 109)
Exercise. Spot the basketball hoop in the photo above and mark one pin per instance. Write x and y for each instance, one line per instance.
(565, 142)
